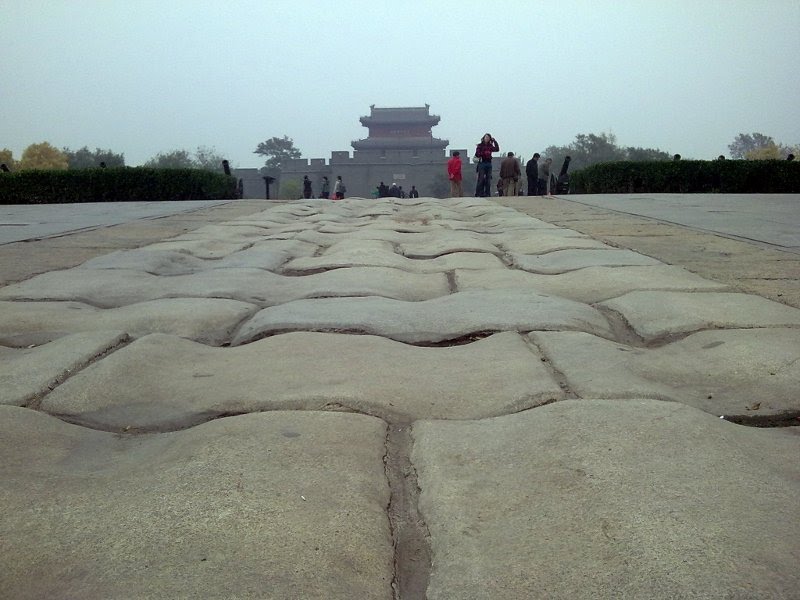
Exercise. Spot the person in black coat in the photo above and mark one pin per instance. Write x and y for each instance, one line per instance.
(532, 172)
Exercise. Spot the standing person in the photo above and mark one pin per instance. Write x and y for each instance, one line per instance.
(454, 175)
(326, 187)
(483, 152)
(339, 189)
(544, 176)
(383, 190)
(402, 193)
(532, 173)
(413, 193)
(509, 174)
(394, 191)
(307, 192)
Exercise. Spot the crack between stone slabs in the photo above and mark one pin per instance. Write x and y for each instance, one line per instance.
(621, 329)
(35, 401)
(559, 376)
(410, 534)
(452, 285)
(784, 419)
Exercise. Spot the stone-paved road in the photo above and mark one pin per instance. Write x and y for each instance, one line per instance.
(409, 399)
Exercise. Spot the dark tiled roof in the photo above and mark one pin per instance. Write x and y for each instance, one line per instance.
(411, 114)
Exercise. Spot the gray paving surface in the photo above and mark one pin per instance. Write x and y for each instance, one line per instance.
(26, 222)
(770, 218)
(392, 399)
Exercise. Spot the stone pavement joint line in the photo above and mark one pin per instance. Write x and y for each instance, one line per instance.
(197, 416)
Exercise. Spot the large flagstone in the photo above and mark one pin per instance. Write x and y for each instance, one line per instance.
(268, 255)
(541, 243)
(29, 373)
(202, 248)
(207, 320)
(252, 506)
(591, 284)
(440, 319)
(163, 382)
(562, 261)
(117, 287)
(609, 499)
(653, 315)
(734, 372)
(375, 253)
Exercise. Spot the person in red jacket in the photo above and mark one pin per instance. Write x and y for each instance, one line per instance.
(483, 154)
(454, 174)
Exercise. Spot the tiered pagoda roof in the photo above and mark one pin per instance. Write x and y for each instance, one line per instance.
(400, 128)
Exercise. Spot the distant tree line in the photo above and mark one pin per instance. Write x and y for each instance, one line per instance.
(590, 148)
(45, 156)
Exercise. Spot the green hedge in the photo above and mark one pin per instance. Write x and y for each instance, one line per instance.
(124, 184)
(689, 176)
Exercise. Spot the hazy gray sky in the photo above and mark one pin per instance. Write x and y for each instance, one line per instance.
(146, 76)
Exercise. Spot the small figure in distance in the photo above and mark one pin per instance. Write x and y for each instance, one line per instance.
(402, 193)
(454, 175)
(307, 193)
(413, 193)
(676, 157)
(394, 191)
(483, 152)
(532, 172)
(326, 187)
(510, 173)
(383, 190)
(339, 189)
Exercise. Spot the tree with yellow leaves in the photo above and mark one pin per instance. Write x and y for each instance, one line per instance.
(43, 156)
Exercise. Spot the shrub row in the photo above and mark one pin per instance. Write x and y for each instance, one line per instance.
(688, 176)
(124, 184)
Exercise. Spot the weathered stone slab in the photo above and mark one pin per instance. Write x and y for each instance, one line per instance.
(363, 253)
(251, 506)
(609, 499)
(115, 287)
(657, 314)
(500, 224)
(389, 225)
(163, 382)
(427, 245)
(207, 249)
(29, 373)
(591, 284)
(735, 372)
(540, 243)
(225, 232)
(562, 261)
(446, 242)
(207, 320)
(268, 255)
(445, 318)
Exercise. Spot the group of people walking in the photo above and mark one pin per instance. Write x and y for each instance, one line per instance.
(540, 180)
(339, 188)
(395, 191)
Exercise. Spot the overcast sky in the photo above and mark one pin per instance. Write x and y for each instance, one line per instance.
(141, 77)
